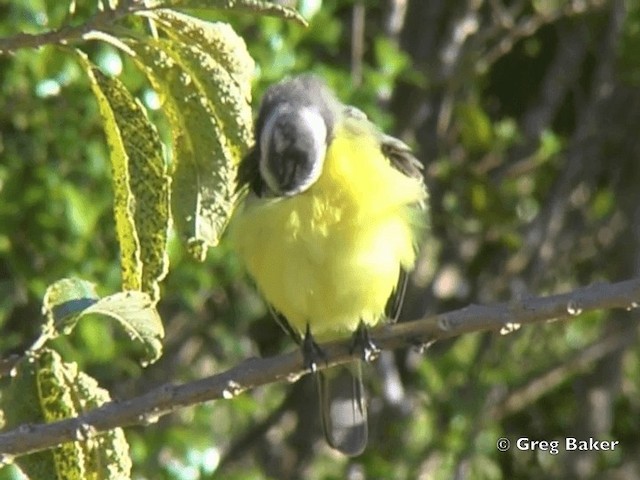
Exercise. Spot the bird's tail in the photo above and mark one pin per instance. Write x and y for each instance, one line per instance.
(343, 408)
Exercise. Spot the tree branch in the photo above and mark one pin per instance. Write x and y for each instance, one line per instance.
(69, 33)
(254, 372)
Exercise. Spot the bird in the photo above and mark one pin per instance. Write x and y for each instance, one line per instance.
(328, 226)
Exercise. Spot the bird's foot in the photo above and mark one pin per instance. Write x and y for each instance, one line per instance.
(362, 343)
(311, 352)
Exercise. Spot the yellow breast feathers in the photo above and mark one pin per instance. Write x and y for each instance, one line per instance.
(331, 256)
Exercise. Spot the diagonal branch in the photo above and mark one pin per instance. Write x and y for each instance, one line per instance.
(254, 372)
(70, 33)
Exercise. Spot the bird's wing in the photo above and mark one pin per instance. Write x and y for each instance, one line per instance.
(402, 159)
(401, 156)
(398, 152)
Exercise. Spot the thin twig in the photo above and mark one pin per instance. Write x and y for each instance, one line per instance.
(358, 23)
(70, 33)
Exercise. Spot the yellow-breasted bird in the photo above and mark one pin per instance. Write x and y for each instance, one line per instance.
(328, 230)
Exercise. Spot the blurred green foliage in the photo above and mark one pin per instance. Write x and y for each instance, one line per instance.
(532, 166)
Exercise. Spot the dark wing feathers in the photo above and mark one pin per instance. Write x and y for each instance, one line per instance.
(394, 304)
(398, 152)
(401, 156)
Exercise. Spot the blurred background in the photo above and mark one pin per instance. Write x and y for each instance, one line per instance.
(526, 116)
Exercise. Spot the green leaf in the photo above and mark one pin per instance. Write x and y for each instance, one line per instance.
(218, 60)
(54, 381)
(136, 313)
(46, 389)
(140, 181)
(476, 130)
(63, 303)
(259, 6)
(205, 158)
(21, 404)
(551, 144)
(217, 39)
(107, 455)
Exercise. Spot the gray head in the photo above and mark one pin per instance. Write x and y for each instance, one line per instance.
(294, 127)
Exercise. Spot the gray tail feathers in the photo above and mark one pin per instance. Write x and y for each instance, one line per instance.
(343, 408)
